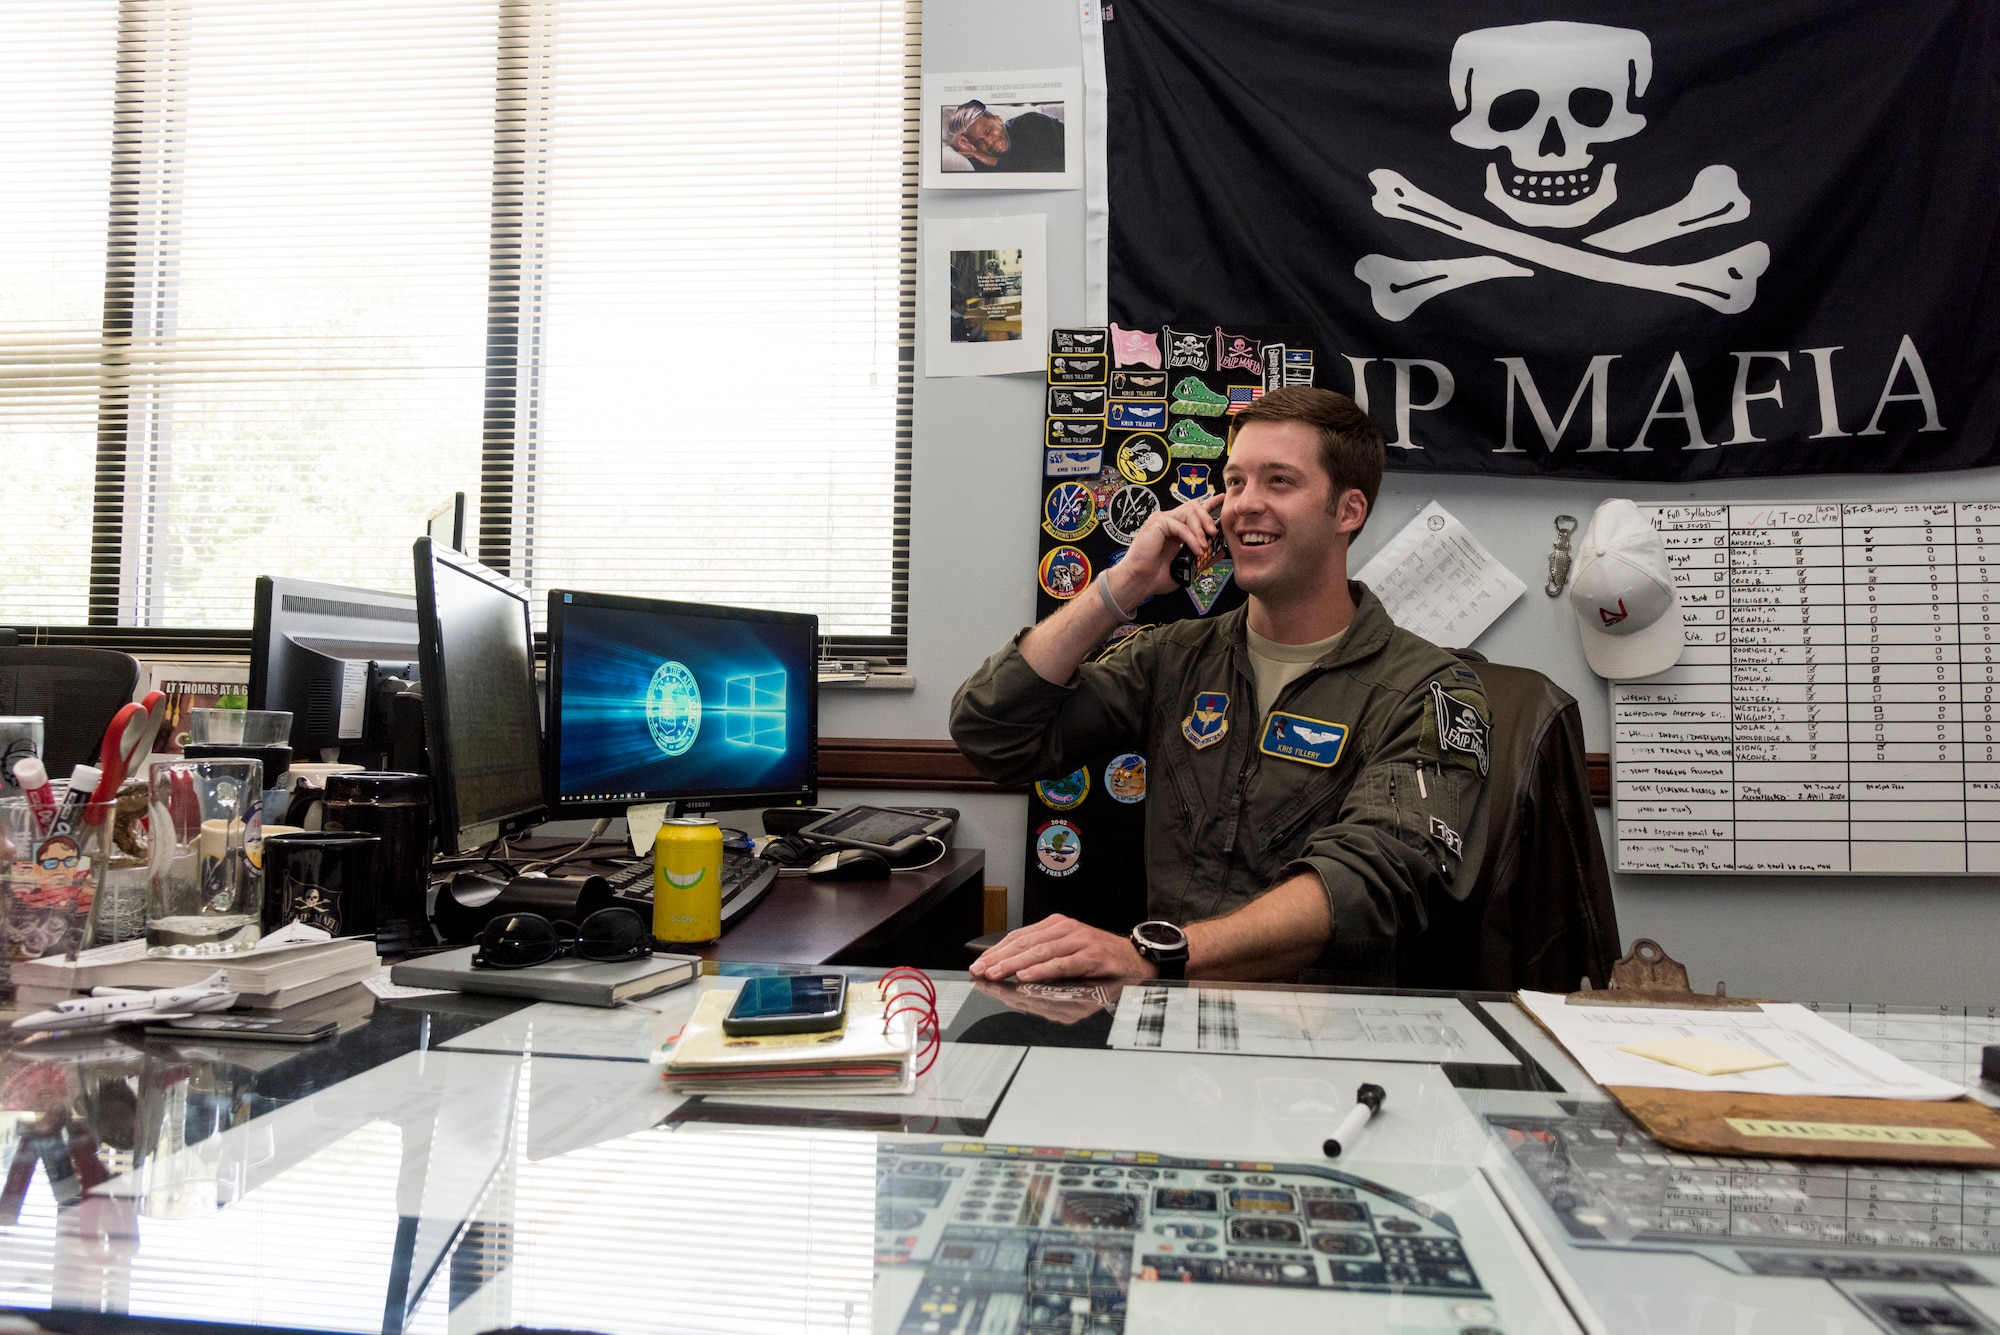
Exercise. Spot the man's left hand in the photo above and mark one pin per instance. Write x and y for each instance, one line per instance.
(1060, 947)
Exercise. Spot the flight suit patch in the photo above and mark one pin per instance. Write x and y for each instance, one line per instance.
(1206, 724)
(1455, 730)
(1308, 740)
(1447, 836)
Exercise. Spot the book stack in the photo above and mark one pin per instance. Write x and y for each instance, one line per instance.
(268, 979)
(863, 1056)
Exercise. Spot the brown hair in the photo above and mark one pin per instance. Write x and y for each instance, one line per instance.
(1350, 445)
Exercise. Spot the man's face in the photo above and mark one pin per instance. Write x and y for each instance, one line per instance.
(1275, 513)
(987, 138)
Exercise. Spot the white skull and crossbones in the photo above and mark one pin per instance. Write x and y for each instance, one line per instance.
(1545, 97)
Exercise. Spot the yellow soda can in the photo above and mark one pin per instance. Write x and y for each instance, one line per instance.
(687, 880)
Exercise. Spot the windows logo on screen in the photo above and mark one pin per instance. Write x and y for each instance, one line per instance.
(753, 710)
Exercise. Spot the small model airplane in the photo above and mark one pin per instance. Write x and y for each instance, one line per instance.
(107, 1006)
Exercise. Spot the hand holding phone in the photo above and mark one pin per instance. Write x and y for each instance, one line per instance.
(1191, 563)
(1170, 549)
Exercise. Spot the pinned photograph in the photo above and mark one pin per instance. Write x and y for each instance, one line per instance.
(986, 296)
(1007, 130)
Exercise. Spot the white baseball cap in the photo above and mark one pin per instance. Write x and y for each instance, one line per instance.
(1623, 593)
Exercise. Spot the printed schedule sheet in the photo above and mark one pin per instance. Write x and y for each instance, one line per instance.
(1834, 708)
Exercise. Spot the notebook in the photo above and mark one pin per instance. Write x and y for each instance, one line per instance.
(573, 982)
(863, 1056)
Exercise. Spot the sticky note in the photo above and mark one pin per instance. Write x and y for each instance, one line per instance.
(1703, 1056)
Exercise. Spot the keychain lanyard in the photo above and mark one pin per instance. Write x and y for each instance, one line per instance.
(1559, 559)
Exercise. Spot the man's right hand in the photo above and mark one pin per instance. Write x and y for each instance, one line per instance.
(1058, 646)
(1148, 567)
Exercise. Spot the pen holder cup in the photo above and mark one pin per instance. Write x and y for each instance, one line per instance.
(207, 846)
(49, 881)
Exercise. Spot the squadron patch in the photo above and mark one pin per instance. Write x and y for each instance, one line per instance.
(1143, 458)
(1125, 777)
(1447, 836)
(1208, 722)
(1309, 741)
(1066, 793)
(1058, 848)
(1126, 512)
(1455, 730)
(1208, 584)
(1065, 572)
(1069, 511)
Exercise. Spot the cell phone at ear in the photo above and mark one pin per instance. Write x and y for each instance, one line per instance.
(1186, 566)
(799, 1004)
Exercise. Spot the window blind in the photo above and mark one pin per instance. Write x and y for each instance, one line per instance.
(638, 278)
(56, 82)
(717, 288)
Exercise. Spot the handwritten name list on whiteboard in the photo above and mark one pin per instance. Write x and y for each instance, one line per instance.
(1834, 709)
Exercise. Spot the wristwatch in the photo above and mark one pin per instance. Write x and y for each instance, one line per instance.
(1165, 945)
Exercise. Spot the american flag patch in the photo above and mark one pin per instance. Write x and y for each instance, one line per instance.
(1242, 396)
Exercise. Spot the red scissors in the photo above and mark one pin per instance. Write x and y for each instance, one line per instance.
(126, 742)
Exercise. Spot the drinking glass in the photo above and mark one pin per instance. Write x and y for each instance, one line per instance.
(207, 894)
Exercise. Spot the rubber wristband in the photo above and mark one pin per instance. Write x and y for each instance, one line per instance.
(1104, 594)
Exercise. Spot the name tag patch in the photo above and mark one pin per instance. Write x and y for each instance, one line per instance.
(1310, 741)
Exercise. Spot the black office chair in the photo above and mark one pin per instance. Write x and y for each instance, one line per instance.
(76, 691)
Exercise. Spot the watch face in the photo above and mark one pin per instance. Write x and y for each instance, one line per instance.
(1160, 935)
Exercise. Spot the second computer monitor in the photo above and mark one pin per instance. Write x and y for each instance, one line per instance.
(706, 707)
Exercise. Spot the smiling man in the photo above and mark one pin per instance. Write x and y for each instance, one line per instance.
(1317, 774)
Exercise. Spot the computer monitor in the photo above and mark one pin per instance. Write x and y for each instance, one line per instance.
(709, 708)
(481, 720)
(446, 524)
(323, 651)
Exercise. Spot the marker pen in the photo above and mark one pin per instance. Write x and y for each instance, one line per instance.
(33, 777)
(82, 783)
(1367, 1102)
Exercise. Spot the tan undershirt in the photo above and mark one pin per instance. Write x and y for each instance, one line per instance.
(1277, 666)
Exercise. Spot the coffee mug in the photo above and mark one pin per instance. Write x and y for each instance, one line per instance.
(324, 880)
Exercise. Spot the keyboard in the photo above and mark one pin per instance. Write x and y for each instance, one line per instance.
(745, 881)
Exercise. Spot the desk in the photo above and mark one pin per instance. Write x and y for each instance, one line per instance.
(459, 1164)
(914, 917)
(922, 917)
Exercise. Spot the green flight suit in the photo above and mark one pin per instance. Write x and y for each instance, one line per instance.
(1384, 798)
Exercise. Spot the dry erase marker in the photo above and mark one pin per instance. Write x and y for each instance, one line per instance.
(33, 778)
(82, 783)
(1367, 1102)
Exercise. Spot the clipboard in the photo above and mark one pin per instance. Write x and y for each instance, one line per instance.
(1962, 1133)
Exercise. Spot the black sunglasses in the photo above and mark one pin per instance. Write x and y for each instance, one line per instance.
(519, 940)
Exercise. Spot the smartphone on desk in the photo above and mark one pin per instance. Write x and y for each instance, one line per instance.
(244, 1028)
(801, 1004)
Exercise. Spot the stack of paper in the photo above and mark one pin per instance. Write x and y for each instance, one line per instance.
(266, 979)
(863, 1056)
(1807, 1055)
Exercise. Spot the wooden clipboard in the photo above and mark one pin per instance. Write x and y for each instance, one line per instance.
(1962, 1133)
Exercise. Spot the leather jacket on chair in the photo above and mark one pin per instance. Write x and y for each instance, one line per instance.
(1541, 915)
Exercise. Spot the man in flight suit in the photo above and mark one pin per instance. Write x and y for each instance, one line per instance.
(1317, 774)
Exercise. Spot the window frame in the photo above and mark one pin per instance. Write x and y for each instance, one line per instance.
(136, 291)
